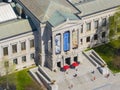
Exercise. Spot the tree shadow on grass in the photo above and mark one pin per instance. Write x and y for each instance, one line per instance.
(11, 86)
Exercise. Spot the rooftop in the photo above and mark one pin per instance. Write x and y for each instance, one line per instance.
(43, 9)
(6, 12)
(60, 17)
(88, 7)
(15, 27)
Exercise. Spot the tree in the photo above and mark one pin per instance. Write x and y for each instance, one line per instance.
(6, 67)
(114, 25)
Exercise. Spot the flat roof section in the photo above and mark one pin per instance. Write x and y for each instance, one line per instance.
(6, 12)
(15, 27)
(94, 6)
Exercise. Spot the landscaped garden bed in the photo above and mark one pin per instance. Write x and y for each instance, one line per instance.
(111, 54)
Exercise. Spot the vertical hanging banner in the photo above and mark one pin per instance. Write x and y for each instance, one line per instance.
(66, 41)
(74, 39)
(57, 44)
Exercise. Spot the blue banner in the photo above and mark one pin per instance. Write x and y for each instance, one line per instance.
(66, 41)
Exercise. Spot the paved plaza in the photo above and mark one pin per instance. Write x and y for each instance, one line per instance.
(84, 79)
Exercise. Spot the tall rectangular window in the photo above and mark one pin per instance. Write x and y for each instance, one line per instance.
(23, 46)
(88, 26)
(14, 48)
(5, 51)
(81, 40)
(81, 28)
(32, 56)
(32, 43)
(104, 22)
(15, 61)
(95, 37)
(23, 59)
(103, 34)
(88, 39)
(96, 23)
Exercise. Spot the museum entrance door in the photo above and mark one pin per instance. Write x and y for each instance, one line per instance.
(68, 61)
(76, 59)
(59, 64)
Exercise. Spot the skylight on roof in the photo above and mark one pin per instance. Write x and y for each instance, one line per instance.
(6, 12)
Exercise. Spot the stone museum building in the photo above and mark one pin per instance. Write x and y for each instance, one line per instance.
(52, 32)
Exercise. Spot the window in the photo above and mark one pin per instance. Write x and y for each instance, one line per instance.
(32, 56)
(15, 61)
(23, 59)
(88, 39)
(14, 48)
(32, 43)
(103, 34)
(51, 41)
(5, 51)
(104, 22)
(81, 40)
(95, 37)
(96, 24)
(81, 28)
(88, 26)
(23, 46)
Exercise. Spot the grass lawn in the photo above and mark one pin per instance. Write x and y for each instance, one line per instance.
(22, 81)
(107, 52)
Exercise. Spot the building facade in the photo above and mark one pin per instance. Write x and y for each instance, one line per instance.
(67, 27)
(64, 28)
(17, 41)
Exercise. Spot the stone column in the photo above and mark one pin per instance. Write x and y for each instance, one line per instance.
(62, 52)
(54, 63)
(10, 50)
(62, 43)
(42, 46)
(27, 46)
(70, 40)
(79, 39)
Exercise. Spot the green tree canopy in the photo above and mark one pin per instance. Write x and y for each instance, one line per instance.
(114, 24)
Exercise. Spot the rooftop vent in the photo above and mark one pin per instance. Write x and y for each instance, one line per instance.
(82, 1)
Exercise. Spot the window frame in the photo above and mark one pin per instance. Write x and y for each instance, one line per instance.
(33, 43)
(24, 59)
(96, 37)
(104, 21)
(88, 39)
(14, 48)
(15, 61)
(32, 57)
(88, 26)
(96, 24)
(4, 51)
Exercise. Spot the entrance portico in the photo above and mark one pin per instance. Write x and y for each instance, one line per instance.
(65, 44)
